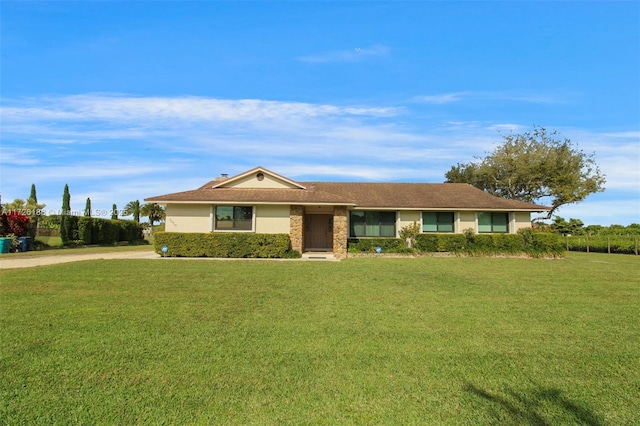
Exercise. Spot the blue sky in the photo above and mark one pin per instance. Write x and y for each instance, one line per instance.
(127, 100)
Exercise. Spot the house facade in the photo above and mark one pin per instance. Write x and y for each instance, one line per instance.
(322, 216)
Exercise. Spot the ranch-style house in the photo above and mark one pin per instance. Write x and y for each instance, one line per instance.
(322, 216)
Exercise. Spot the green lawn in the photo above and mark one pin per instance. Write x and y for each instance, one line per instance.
(362, 341)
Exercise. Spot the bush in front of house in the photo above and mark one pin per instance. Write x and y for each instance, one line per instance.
(223, 244)
(369, 245)
(530, 243)
(433, 243)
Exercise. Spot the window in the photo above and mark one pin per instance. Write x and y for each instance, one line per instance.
(234, 218)
(437, 222)
(493, 222)
(372, 224)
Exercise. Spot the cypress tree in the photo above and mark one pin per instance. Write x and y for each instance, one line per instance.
(33, 207)
(87, 208)
(64, 218)
(33, 198)
(114, 212)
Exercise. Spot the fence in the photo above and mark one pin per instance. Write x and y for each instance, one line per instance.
(603, 244)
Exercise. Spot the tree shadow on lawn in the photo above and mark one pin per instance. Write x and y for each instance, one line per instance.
(528, 407)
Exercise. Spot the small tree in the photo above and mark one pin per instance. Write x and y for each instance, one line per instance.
(572, 227)
(154, 212)
(409, 233)
(87, 208)
(65, 228)
(114, 212)
(34, 211)
(133, 208)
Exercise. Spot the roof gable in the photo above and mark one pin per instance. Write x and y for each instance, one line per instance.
(257, 178)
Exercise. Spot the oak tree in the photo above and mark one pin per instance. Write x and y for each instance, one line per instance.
(531, 167)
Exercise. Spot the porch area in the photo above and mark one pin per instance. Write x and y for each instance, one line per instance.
(319, 231)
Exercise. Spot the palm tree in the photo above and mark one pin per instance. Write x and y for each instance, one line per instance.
(133, 208)
(154, 212)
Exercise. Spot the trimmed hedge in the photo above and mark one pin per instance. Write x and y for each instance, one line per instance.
(431, 243)
(223, 244)
(531, 243)
(369, 245)
(88, 230)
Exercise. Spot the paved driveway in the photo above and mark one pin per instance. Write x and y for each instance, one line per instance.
(12, 262)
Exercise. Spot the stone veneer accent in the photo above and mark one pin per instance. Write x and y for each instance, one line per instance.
(340, 232)
(296, 228)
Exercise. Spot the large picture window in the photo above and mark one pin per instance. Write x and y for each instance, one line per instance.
(437, 222)
(234, 218)
(493, 222)
(372, 224)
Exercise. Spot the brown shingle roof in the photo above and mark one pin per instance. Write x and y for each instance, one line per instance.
(360, 195)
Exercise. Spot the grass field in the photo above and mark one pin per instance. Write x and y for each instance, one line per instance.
(364, 341)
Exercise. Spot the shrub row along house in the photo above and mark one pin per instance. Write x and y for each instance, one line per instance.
(322, 216)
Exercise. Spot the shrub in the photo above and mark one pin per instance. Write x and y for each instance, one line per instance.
(15, 223)
(128, 230)
(85, 228)
(369, 245)
(543, 243)
(536, 244)
(441, 242)
(409, 233)
(226, 245)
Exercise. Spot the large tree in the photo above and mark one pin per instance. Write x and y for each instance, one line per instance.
(533, 167)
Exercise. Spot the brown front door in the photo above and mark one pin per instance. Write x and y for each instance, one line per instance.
(318, 232)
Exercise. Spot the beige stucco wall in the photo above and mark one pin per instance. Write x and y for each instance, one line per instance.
(197, 218)
(275, 219)
(272, 219)
(188, 218)
(406, 218)
(466, 220)
(521, 220)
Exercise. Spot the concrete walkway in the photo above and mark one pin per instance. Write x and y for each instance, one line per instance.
(12, 262)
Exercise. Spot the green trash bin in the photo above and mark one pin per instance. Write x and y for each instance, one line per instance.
(5, 244)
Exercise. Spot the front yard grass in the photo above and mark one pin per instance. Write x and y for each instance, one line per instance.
(362, 341)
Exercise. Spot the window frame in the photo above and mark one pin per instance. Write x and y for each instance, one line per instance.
(438, 222)
(234, 218)
(493, 224)
(369, 223)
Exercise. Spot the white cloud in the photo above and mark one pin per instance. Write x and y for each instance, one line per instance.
(444, 98)
(118, 148)
(112, 108)
(489, 96)
(355, 54)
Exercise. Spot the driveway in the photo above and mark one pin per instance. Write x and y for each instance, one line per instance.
(12, 262)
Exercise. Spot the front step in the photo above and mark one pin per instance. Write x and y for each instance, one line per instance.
(318, 256)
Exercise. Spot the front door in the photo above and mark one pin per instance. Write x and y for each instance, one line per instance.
(318, 235)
